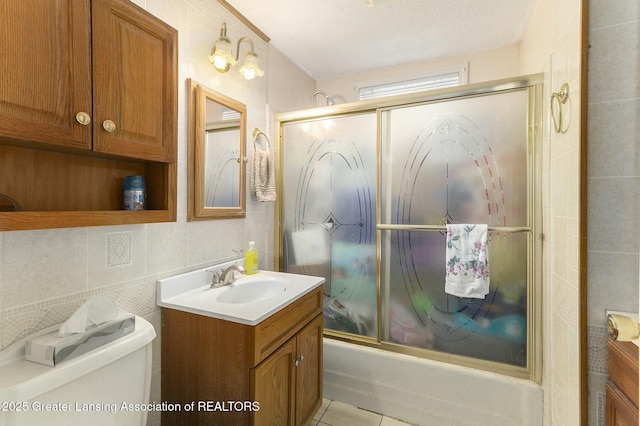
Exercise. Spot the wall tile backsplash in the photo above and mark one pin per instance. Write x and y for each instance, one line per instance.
(119, 249)
(19, 322)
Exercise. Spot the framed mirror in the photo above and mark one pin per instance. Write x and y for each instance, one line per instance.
(216, 154)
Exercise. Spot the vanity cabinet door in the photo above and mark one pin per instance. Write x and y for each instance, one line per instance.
(622, 386)
(288, 383)
(45, 71)
(309, 371)
(134, 82)
(273, 386)
(620, 411)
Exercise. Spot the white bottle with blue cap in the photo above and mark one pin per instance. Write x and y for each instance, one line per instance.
(134, 193)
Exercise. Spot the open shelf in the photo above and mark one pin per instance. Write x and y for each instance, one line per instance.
(68, 189)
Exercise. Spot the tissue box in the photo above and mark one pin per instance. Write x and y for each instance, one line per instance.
(50, 349)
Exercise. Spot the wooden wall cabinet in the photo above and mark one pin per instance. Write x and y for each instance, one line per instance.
(88, 95)
(622, 386)
(277, 363)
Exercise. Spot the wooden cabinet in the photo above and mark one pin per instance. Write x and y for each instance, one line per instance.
(622, 387)
(288, 384)
(134, 82)
(274, 366)
(88, 95)
(45, 72)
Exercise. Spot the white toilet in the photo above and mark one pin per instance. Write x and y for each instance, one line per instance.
(107, 386)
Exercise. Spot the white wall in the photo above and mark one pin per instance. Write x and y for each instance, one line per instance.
(483, 66)
(289, 88)
(45, 275)
(552, 45)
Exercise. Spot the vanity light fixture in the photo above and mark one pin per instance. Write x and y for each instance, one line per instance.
(222, 58)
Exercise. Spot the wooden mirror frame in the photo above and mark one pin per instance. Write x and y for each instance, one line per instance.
(197, 96)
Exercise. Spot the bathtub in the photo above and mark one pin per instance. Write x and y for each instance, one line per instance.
(426, 392)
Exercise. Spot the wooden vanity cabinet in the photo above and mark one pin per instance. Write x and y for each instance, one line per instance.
(276, 364)
(288, 384)
(622, 386)
(88, 95)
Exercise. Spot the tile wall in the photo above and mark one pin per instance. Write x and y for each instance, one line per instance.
(613, 178)
(561, 222)
(552, 45)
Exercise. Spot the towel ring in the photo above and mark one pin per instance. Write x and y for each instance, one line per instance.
(256, 134)
(560, 98)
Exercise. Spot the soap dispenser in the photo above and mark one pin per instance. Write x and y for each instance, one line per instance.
(251, 259)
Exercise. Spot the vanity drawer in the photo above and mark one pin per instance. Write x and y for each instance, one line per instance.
(273, 332)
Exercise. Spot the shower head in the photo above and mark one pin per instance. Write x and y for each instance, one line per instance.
(329, 99)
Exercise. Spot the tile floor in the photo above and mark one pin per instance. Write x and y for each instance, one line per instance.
(336, 413)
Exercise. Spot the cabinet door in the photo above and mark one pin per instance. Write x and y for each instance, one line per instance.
(620, 411)
(134, 82)
(272, 384)
(45, 73)
(309, 371)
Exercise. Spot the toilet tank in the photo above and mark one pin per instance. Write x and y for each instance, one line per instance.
(108, 386)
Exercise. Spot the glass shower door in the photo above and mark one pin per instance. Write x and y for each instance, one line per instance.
(369, 192)
(329, 215)
(462, 161)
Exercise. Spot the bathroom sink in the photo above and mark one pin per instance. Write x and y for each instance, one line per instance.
(248, 300)
(250, 290)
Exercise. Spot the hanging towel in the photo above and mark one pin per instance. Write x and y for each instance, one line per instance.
(467, 273)
(262, 181)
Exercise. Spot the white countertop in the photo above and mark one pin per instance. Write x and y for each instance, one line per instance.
(192, 293)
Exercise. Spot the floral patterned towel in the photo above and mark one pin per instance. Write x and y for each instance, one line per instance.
(467, 254)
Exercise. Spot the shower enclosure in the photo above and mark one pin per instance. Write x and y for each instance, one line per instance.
(367, 190)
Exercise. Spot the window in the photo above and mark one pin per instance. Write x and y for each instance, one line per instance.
(437, 79)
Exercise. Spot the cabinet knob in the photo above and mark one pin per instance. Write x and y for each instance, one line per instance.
(298, 360)
(83, 118)
(109, 126)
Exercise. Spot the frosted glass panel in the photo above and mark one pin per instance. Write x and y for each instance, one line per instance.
(461, 161)
(420, 314)
(222, 169)
(328, 213)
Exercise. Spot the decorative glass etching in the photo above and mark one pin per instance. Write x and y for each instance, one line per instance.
(458, 162)
(366, 199)
(328, 212)
(221, 155)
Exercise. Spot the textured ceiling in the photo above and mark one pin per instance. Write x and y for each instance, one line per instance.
(331, 38)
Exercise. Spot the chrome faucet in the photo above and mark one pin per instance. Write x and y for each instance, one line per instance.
(215, 278)
(228, 275)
